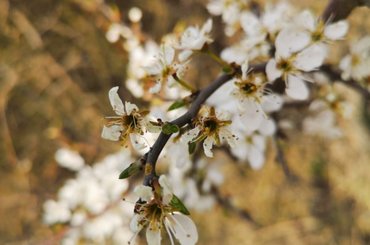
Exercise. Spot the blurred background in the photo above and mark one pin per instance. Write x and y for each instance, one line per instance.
(56, 68)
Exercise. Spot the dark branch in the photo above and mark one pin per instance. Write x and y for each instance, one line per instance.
(228, 206)
(203, 95)
(335, 76)
(340, 9)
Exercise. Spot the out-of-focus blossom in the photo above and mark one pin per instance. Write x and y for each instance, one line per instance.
(194, 38)
(356, 64)
(90, 204)
(69, 159)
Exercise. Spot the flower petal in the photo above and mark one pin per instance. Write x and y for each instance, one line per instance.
(153, 237)
(291, 40)
(112, 133)
(207, 27)
(207, 146)
(116, 101)
(272, 71)
(256, 158)
(168, 54)
(156, 88)
(183, 228)
(144, 192)
(307, 20)
(130, 107)
(296, 88)
(336, 30)
(166, 188)
(135, 224)
(190, 135)
(311, 58)
(225, 134)
(138, 141)
(245, 67)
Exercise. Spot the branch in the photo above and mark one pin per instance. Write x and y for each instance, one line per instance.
(340, 9)
(335, 76)
(186, 118)
(281, 159)
(226, 204)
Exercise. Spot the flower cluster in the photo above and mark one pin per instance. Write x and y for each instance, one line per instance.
(90, 206)
(275, 50)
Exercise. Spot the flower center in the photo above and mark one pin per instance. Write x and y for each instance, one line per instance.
(210, 124)
(249, 88)
(130, 121)
(284, 65)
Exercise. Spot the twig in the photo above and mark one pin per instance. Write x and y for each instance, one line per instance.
(280, 158)
(335, 76)
(226, 203)
(186, 118)
(340, 9)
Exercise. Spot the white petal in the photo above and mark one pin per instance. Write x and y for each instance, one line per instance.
(311, 58)
(296, 88)
(144, 192)
(153, 237)
(185, 55)
(69, 159)
(207, 27)
(112, 133)
(130, 107)
(166, 188)
(306, 20)
(228, 136)
(138, 141)
(184, 229)
(252, 116)
(154, 69)
(190, 135)
(115, 101)
(169, 54)
(337, 30)
(207, 146)
(272, 71)
(291, 40)
(156, 88)
(256, 158)
(135, 224)
(267, 127)
(245, 69)
(250, 24)
(272, 102)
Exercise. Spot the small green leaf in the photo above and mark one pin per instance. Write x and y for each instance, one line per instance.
(133, 169)
(177, 204)
(177, 104)
(227, 69)
(169, 128)
(191, 147)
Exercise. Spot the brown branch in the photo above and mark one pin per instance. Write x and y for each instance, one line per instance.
(227, 205)
(340, 9)
(335, 76)
(186, 118)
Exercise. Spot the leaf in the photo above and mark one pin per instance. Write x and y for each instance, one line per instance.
(177, 204)
(191, 147)
(177, 104)
(169, 128)
(133, 169)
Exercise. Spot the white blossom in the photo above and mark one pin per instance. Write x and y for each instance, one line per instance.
(69, 159)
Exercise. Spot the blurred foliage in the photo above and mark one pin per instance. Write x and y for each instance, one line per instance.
(55, 70)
